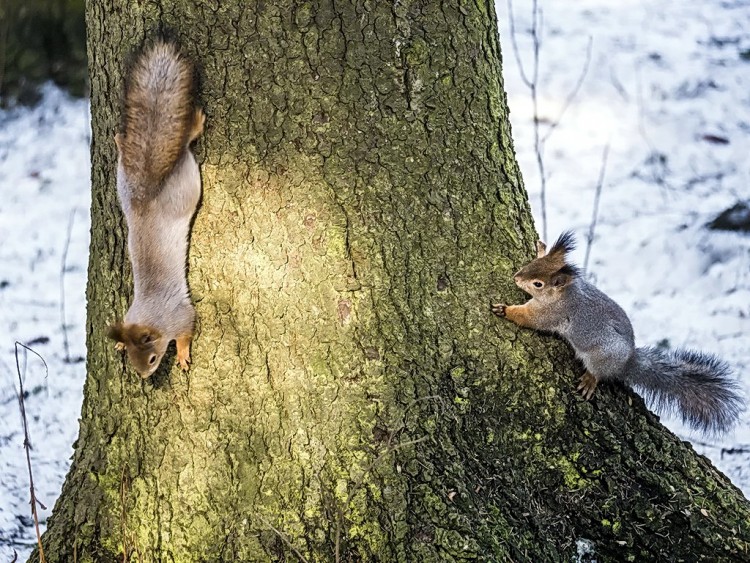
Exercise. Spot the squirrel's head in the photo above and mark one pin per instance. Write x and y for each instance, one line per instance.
(548, 274)
(144, 344)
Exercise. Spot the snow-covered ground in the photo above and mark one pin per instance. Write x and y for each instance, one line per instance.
(44, 182)
(667, 89)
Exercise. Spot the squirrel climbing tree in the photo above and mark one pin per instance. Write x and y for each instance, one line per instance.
(351, 396)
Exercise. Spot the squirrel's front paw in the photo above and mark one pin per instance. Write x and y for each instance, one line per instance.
(120, 346)
(498, 309)
(183, 351)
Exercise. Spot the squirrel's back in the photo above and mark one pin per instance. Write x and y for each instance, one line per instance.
(159, 113)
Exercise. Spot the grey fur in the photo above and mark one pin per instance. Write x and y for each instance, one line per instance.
(157, 244)
(697, 385)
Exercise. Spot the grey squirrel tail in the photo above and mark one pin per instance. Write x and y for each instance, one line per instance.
(696, 385)
(159, 112)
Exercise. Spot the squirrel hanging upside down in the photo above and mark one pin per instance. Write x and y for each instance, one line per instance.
(698, 385)
(159, 186)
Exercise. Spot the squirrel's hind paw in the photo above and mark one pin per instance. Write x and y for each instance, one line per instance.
(587, 386)
(199, 120)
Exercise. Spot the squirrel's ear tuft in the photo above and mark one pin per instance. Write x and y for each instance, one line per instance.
(541, 249)
(564, 244)
(570, 271)
(141, 335)
(115, 332)
(563, 276)
(559, 280)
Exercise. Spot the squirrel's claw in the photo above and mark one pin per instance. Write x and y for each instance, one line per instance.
(587, 386)
(184, 360)
(498, 309)
(120, 346)
(183, 351)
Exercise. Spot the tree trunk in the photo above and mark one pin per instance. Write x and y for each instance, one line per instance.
(351, 396)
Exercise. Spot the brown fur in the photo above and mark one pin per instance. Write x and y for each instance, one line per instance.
(138, 336)
(551, 268)
(159, 187)
(153, 139)
(183, 350)
(522, 315)
(141, 344)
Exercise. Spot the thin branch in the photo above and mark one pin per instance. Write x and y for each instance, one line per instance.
(537, 24)
(536, 34)
(283, 538)
(595, 214)
(574, 92)
(63, 266)
(542, 174)
(514, 43)
(27, 445)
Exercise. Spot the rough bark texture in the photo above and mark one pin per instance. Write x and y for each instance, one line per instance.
(351, 396)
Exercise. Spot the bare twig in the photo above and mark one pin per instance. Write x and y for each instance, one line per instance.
(514, 43)
(536, 35)
(573, 93)
(63, 265)
(27, 444)
(595, 214)
(283, 538)
(532, 83)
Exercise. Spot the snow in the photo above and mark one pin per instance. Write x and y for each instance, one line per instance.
(44, 180)
(666, 84)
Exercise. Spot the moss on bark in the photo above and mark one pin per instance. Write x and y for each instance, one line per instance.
(351, 396)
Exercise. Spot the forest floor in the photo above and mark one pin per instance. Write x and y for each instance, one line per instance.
(667, 90)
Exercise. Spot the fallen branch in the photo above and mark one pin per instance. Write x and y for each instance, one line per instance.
(27, 444)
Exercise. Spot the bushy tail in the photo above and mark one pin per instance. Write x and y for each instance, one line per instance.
(159, 112)
(697, 385)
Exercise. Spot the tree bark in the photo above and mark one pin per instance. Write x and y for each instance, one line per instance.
(351, 396)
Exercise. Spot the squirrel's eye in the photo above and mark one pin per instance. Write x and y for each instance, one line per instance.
(538, 284)
(152, 359)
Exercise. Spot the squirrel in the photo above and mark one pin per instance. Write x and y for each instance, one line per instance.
(159, 186)
(696, 384)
